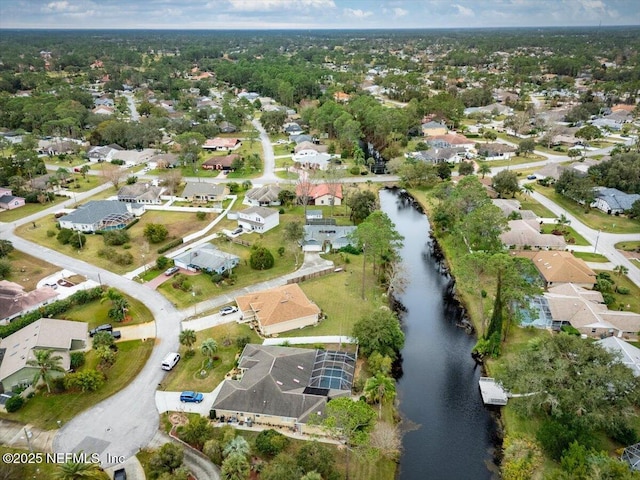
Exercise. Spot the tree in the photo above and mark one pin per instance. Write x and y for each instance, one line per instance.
(362, 203)
(444, 170)
(484, 169)
(103, 339)
(172, 180)
(505, 182)
(380, 332)
(273, 121)
(187, 338)
(209, 347)
(466, 168)
(351, 421)
(527, 188)
(526, 146)
(386, 438)
(238, 445)
(293, 234)
(480, 229)
(6, 247)
(88, 380)
(77, 470)
(604, 391)
(46, 363)
(167, 459)
(286, 197)
(635, 210)
(620, 270)
(113, 173)
(261, 259)
(304, 189)
(213, 450)
(155, 232)
(311, 476)
(190, 146)
(332, 177)
(106, 355)
(313, 456)
(271, 442)
(5, 269)
(563, 222)
(588, 132)
(281, 468)
(378, 389)
(235, 467)
(196, 432)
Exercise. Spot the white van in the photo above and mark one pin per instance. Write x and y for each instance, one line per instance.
(170, 361)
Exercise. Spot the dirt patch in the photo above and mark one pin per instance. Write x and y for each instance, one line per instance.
(28, 271)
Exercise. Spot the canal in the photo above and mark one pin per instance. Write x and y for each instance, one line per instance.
(449, 433)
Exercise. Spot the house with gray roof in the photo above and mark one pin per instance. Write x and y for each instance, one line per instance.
(325, 238)
(629, 354)
(141, 193)
(61, 336)
(284, 386)
(206, 258)
(614, 201)
(201, 192)
(265, 196)
(14, 301)
(99, 215)
(496, 151)
(258, 219)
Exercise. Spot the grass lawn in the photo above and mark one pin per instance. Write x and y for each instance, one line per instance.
(569, 233)
(594, 218)
(178, 224)
(27, 270)
(629, 246)
(286, 175)
(282, 149)
(44, 410)
(186, 374)
(516, 161)
(29, 470)
(630, 302)
(96, 313)
(528, 203)
(591, 257)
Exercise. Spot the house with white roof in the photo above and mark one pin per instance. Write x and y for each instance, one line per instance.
(258, 219)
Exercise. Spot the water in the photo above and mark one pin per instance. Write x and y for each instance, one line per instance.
(454, 434)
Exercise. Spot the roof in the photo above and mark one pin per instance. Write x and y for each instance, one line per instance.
(433, 124)
(44, 333)
(277, 305)
(225, 161)
(207, 257)
(328, 233)
(263, 212)
(320, 190)
(561, 267)
(9, 198)
(220, 142)
(140, 191)
(14, 300)
(527, 232)
(452, 139)
(306, 145)
(617, 199)
(202, 188)
(96, 210)
(284, 381)
(629, 354)
(489, 149)
(264, 194)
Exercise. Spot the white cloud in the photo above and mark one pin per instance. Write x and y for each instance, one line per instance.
(263, 5)
(464, 11)
(357, 13)
(60, 7)
(400, 12)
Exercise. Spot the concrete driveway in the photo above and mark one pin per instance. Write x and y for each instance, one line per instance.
(170, 402)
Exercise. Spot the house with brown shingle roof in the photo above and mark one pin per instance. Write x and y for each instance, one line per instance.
(561, 267)
(526, 234)
(220, 143)
(220, 163)
(278, 309)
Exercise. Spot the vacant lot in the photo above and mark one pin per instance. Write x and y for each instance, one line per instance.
(27, 270)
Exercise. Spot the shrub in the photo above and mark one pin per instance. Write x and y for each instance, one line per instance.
(117, 161)
(201, 215)
(51, 233)
(86, 380)
(115, 237)
(354, 170)
(162, 263)
(64, 236)
(78, 240)
(350, 249)
(261, 259)
(155, 232)
(170, 245)
(14, 403)
(281, 251)
(608, 298)
(570, 330)
(270, 442)
(621, 432)
(242, 341)
(623, 290)
(77, 360)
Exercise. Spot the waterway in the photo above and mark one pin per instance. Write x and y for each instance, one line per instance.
(451, 435)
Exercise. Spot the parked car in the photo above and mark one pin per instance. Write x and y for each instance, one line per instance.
(107, 327)
(237, 231)
(170, 271)
(228, 310)
(116, 334)
(531, 177)
(120, 474)
(191, 397)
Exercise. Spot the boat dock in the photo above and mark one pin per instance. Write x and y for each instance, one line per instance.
(492, 392)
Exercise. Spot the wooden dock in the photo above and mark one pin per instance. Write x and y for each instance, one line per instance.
(492, 392)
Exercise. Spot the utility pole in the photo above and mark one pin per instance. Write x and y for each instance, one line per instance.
(595, 248)
(364, 261)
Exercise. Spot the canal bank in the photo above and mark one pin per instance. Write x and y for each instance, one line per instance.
(449, 434)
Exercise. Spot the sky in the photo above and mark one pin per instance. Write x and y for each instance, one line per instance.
(314, 14)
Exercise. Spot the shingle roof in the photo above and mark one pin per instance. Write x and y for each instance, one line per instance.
(527, 232)
(207, 257)
(96, 210)
(140, 191)
(617, 200)
(264, 212)
(334, 234)
(203, 188)
(265, 194)
(14, 300)
(561, 267)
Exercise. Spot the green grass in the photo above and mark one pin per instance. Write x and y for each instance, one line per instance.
(44, 410)
(569, 234)
(95, 313)
(516, 160)
(9, 216)
(593, 218)
(28, 470)
(286, 175)
(185, 375)
(27, 270)
(630, 302)
(591, 257)
(528, 203)
(631, 246)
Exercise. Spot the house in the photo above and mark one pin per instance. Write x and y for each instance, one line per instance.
(104, 101)
(98, 215)
(104, 153)
(293, 128)
(321, 194)
(226, 127)
(557, 268)
(324, 238)
(310, 147)
(278, 309)
(14, 301)
(298, 139)
(614, 201)
(61, 336)
(341, 97)
(509, 206)
(312, 160)
(496, 151)
(163, 160)
(313, 215)
(206, 258)
(432, 128)
(103, 110)
(200, 192)
(258, 219)
(133, 157)
(220, 163)
(284, 386)
(265, 196)
(8, 201)
(628, 354)
(141, 193)
(586, 311)
(440, 155)
(450, 140)
(220, 143)
(49, 182)
(526, 234)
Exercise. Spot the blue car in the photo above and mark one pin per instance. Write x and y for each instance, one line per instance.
(193, 397)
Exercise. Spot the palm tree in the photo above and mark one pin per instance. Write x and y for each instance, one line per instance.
(208, 348)
(46, 364)
(236, 467)
(237, 446)
(620, 270)
(484, 169)
(79, 471)
(188, 338)
(378, 389)
(527, 188)
(562, 221)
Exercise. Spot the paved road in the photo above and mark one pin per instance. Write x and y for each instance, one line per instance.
(200, 466)
(135, 116)
(269, 175)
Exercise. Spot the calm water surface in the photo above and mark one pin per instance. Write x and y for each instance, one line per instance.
(454, 434)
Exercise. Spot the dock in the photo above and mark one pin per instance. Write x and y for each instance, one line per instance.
(492, 392)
